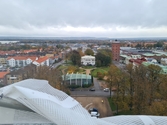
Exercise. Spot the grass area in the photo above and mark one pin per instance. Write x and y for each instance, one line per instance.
(112, 105)
(68, 62)
(88, 67)
(81, 71)
(61, 67)
(101, 70)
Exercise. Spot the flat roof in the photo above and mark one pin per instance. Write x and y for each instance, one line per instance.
(76, 76)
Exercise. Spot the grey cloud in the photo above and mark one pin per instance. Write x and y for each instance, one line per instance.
(25, 14)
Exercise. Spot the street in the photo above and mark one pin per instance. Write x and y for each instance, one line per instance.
(85, 91)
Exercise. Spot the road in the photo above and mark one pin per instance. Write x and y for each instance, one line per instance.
(119, 65)
(57, 64)
(85, 91)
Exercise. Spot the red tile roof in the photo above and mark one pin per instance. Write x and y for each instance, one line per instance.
(31, 50)
(138, 61)
(33, 58)
(42, 59)
(2, 74)
(7, 52)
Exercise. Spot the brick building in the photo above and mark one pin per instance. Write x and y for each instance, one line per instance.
(115, 51)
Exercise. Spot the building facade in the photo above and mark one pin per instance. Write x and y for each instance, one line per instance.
(77, 79)
(20, 61)
(88, 60)
(115, 51)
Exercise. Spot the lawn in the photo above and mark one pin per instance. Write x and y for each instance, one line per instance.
(112, 105)
(88, 67)
(101, 70)
(61, 67)
(81, 70)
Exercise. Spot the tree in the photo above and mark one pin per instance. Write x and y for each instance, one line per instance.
(103, 58)
(139, 46)
(130, 72)
(120, 97)
(140, 93)
(72, 69)
(118, 79)
(154, 81)
(89, 52)
(158, 108)
(54, 76)
(75, 58)
(80, 52)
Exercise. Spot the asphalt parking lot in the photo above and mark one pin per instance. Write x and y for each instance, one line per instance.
(100, 103)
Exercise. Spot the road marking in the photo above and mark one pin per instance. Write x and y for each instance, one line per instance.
(88, 105)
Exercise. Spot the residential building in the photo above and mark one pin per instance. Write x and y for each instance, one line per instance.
(164, 61)
(3, 60)
(21, 74)
(15, 76)
(20, 61)
(42, 61)
(88, 60)
(2, 77)
(137, 62)
(115, 51)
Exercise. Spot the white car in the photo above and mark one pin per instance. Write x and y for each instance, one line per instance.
(106, 90)
(95, 114)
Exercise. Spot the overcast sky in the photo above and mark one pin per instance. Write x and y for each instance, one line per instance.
(83, 18)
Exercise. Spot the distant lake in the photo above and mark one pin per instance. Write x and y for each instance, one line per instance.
(4, 42)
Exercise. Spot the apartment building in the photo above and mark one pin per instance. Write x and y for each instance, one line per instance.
(20, 61)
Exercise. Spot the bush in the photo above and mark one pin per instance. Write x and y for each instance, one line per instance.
(74, 86)
(86, 85)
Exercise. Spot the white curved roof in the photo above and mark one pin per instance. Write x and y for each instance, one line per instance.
(53, 107)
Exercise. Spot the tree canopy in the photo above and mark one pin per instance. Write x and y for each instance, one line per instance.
(89, 52)
(103, 58)
(141, 89)
(75, 58)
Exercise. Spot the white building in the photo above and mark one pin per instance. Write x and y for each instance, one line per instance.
(42, 61)
(164, 61)
(88, 60)
(20, 61)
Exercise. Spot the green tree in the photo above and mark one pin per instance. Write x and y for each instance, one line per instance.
(89, 52)
(118, 79)
(154, 81)
(130, 87)
(140, 93)
(76, 58)
(103, 58)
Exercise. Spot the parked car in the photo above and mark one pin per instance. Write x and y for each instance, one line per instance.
(92, 89)
(93, 110)
(95, 114)
(106, 90)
